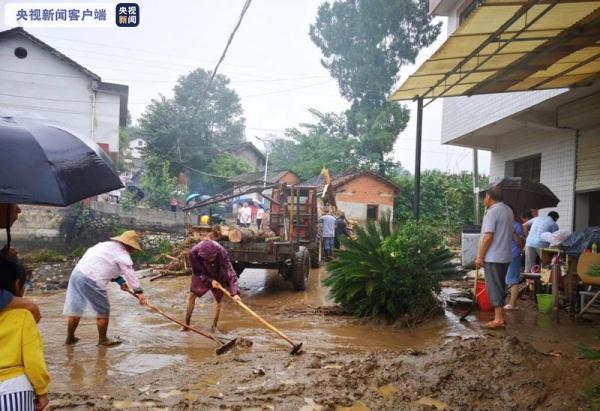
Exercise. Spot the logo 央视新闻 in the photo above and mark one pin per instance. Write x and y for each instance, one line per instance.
(128, 14)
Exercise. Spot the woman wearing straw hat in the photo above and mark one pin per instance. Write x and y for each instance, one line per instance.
(109, 261)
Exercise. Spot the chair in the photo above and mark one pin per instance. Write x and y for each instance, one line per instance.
(584, 265)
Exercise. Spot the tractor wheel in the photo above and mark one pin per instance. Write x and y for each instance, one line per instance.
(300, 269)
(316, 254)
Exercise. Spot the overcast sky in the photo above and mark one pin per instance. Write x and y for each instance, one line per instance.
(272, 64)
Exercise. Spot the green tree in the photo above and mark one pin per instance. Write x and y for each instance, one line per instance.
(190, 127)
(446, 198)
(323, 143)
(364, 46)
(225, 165)
(157, 182)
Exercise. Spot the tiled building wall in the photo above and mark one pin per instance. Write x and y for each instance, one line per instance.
(557, 166)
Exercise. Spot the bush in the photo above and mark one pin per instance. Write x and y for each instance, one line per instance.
(44, 255)
(390, 273)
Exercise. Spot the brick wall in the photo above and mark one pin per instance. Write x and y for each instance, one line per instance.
(366, 190)
(354, 196)
(557, 166)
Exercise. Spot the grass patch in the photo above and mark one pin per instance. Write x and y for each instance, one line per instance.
(44, 255)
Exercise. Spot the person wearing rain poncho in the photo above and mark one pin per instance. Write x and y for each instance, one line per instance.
(109, 261)
(210, 265)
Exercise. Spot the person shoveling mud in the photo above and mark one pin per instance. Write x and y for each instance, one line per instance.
(210, 267)
(109, 261)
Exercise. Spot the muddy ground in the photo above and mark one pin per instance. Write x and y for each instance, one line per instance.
(347, 363)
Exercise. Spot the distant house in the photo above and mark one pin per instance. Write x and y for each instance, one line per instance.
(244, 181)
(248, 152)
(284, 176)
(362, 195)
(133, 155)
(39, 80)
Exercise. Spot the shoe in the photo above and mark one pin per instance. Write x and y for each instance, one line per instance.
(493, 325)
(510, 307)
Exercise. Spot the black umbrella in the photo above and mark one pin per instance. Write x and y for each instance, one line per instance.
(41, 163)
(524, 195)
(45, 164)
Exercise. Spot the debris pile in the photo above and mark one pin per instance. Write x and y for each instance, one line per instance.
(179, 263)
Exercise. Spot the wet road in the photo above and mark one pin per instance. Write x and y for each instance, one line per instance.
(154, 348)
(153, 344)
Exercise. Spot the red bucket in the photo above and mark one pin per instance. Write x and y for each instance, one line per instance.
(482, 298)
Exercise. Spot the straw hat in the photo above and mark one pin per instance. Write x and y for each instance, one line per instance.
(130, 238)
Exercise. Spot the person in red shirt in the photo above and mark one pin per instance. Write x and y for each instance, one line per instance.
(210, 265)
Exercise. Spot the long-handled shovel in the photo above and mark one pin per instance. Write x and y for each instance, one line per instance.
(464, 316)
(223, 347)
(295, 347)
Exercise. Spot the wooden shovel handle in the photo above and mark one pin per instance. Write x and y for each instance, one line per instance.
(258, 317)
(176, 321)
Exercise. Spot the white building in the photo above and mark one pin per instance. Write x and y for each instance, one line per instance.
(551, 136)
(136, 147)
(37, 79)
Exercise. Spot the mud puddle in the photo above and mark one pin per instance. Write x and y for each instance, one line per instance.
(346, 364)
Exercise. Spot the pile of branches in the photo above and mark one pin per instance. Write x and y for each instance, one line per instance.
(179, 264)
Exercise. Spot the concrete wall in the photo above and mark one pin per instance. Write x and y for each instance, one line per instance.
(106, 120)
(358, 211)
(143, 218)
(557, 165)
(38, 224)
(46, 87)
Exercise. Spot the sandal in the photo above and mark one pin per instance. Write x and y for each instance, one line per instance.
(510, 307)
(493, 325)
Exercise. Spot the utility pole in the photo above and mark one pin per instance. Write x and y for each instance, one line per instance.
(476, 186)
(267, 143)
(417, 199)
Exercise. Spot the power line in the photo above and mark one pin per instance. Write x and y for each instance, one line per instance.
(214, 72)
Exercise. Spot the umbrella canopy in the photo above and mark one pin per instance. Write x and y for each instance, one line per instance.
(41, 163)
(191, 197)
(524, 195)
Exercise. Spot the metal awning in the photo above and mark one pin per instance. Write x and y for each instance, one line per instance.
(513, 45)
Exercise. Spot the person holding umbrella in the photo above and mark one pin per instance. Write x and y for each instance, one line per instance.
(9, 213)
(210, 267)
(494, 251)
(108, 261)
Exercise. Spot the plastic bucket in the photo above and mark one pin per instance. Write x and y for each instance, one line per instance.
(545, 303)
(482, 298)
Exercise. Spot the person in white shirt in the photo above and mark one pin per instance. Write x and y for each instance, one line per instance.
(109, 261)
(259, 216)
(245, 215)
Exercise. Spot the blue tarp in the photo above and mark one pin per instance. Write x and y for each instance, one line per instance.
(581, 240)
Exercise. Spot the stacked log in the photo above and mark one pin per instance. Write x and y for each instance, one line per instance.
(180, 263)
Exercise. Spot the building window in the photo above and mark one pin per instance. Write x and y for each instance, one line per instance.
(468, 7)
(372, 212)
(20, 52)
(528, 168)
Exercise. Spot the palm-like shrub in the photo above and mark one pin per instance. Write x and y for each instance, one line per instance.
(389, 272)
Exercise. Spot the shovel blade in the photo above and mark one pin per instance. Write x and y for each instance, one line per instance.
(296, 349)
(226, 347)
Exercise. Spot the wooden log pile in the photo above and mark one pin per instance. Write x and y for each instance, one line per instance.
(180, 264)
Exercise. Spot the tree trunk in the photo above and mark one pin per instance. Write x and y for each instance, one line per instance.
(243, 235)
